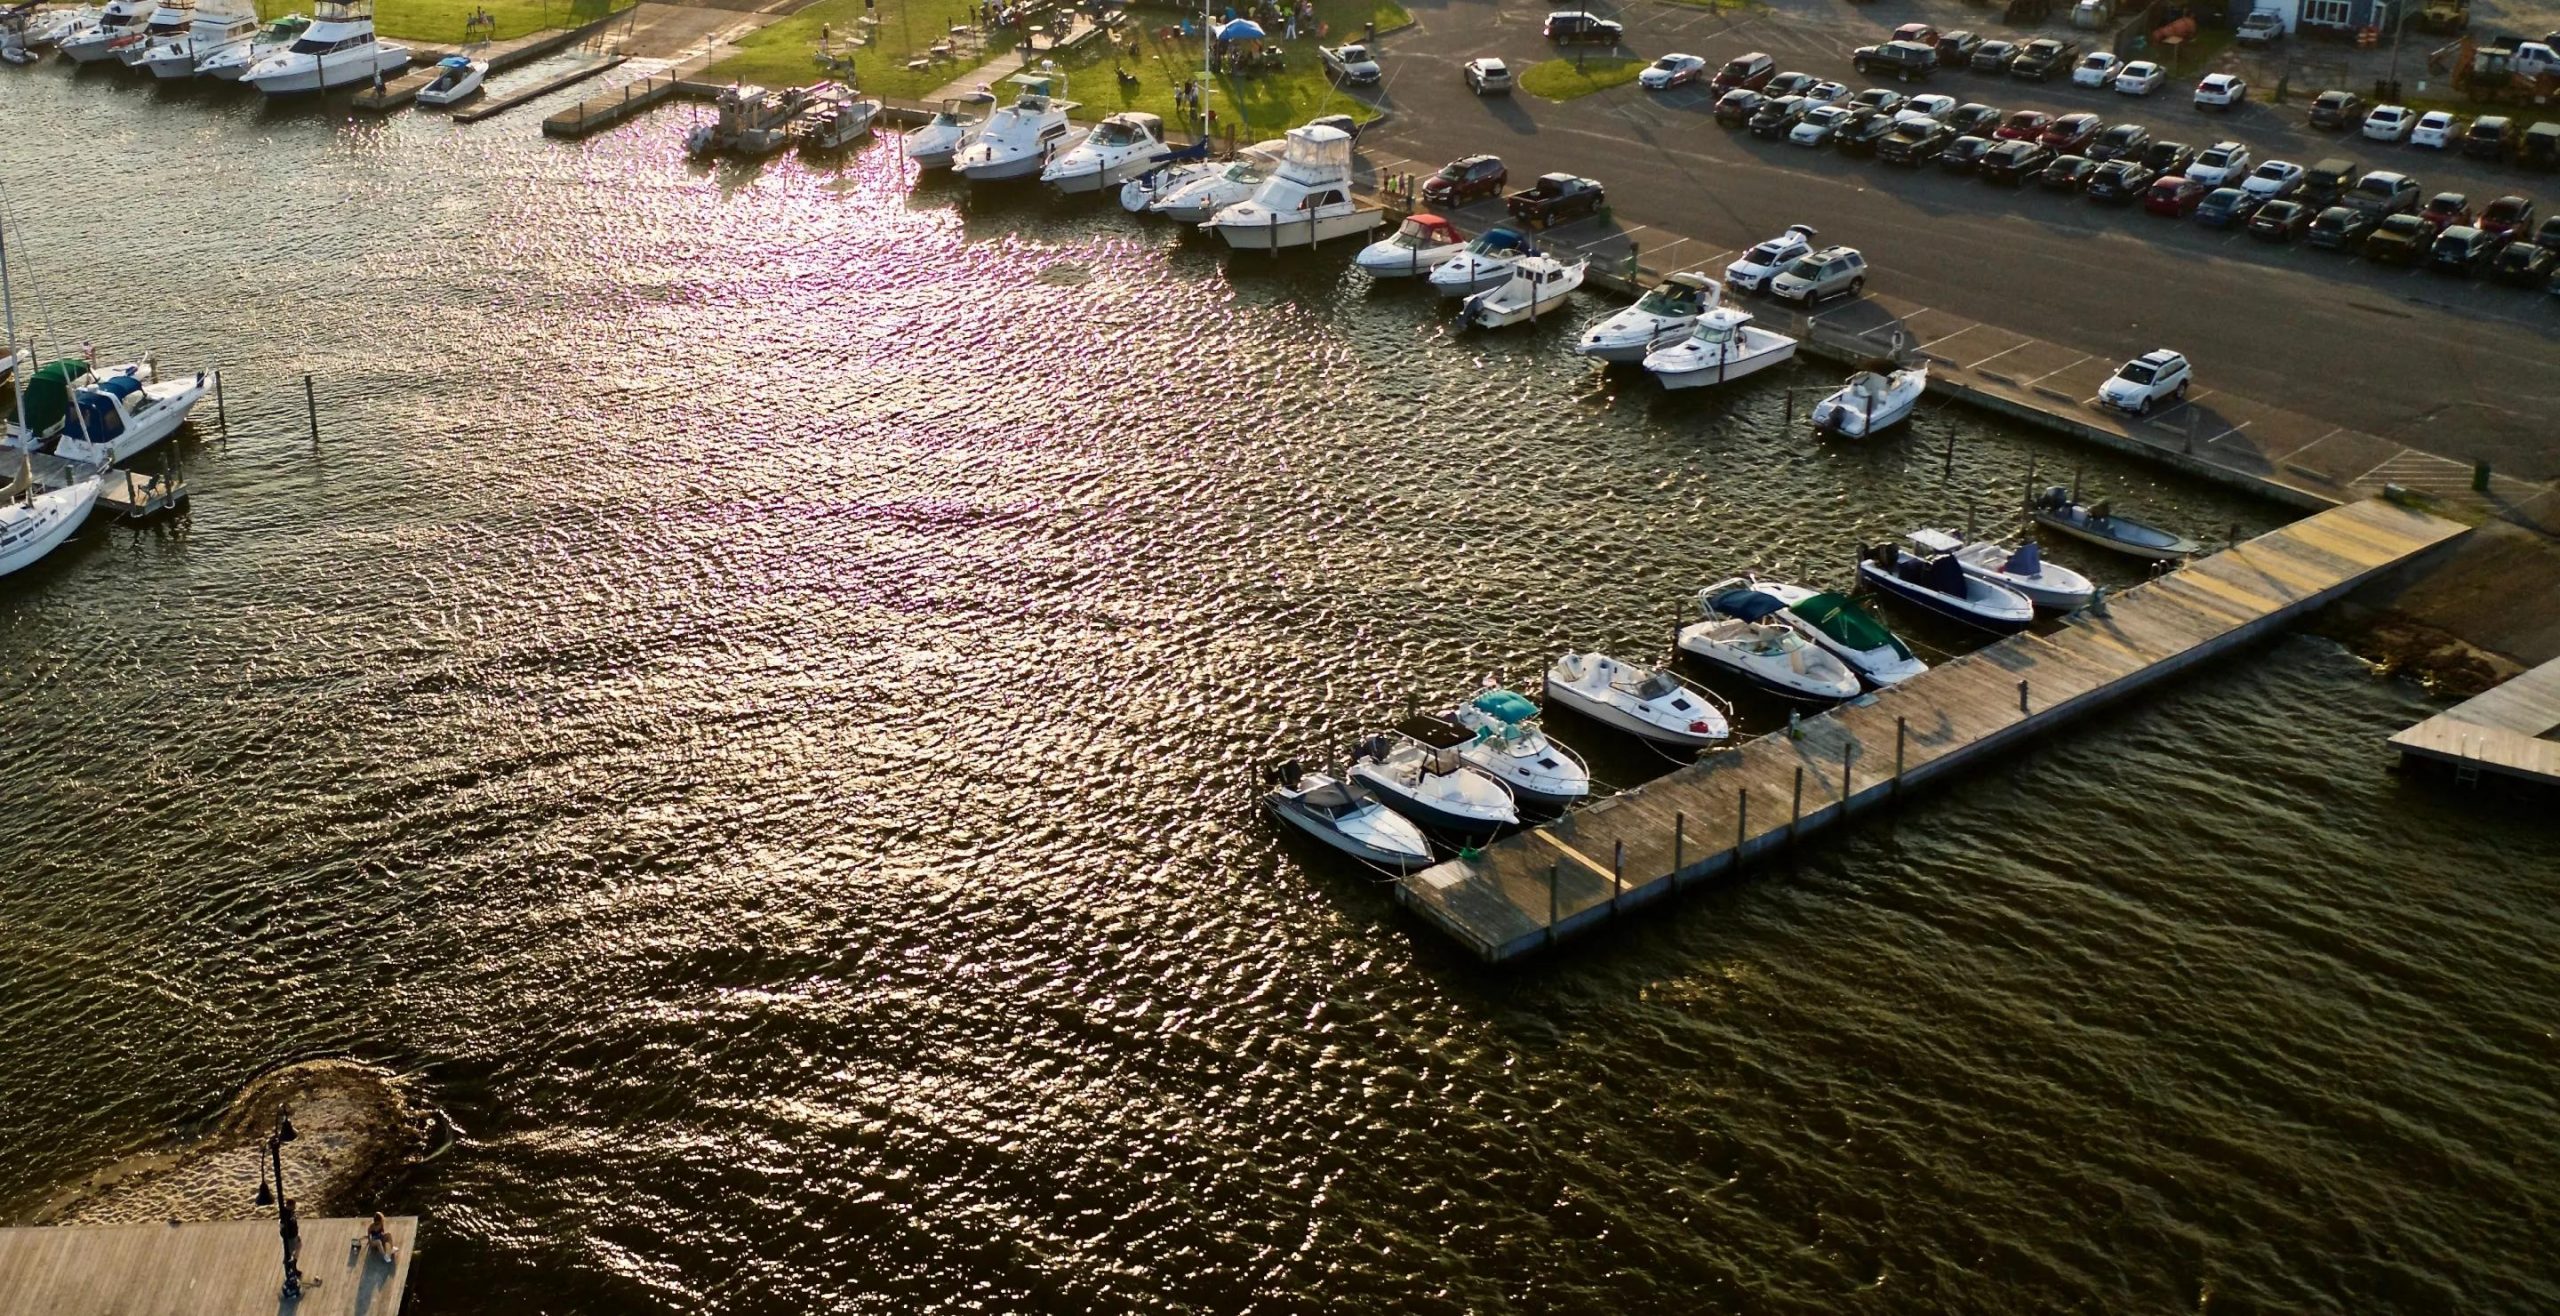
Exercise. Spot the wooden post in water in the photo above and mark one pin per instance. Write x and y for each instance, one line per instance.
(311, 404)
(1948, 468)
(1679, 842)
(1617, 876)
(1846, 747)
(1795, 819)
(221, 417)
(1741, 823)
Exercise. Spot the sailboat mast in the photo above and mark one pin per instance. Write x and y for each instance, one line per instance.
(9, 316)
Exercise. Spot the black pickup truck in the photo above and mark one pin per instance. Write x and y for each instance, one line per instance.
(1555, 199)
(2043, 57)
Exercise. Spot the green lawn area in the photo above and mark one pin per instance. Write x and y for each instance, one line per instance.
(1559, 80)
(1260, 106)
(441, 21)
(784, 54)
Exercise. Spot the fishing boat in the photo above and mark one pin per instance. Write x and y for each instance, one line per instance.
(2098, 524)
(170, 20)
(1346, 816)
(457, 77)
(1663, 316)
(1421, 244)
(1417, 771)
(339, 49)
(1512, 744)
(1724, 346)
(747, 120)
(231, 62)
(1847, 630)
(952, 128)
(1538, 286)
(1744, 634)
(1195, 199)
(98, 418)
(1870, 402)
(1939, 583)
(1649, 703)
(1485, 263)
(216, 28)
(1018, 140)
(835, 119)
(2023, 569)
(1307, 200)
(1118, 149)
(95, 40)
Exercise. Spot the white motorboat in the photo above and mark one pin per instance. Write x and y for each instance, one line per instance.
(1869, 402)
(1346, 816)
(231, 62)
(1766, 649)
(951, 128)
(2098, 524)
(1118, 149)
(1018, 140)
(1485, 263)
(1307, 200)
(1650, 703)
(99, 418)
(171, 20)
(48, 30)
(1940, 584)
(1664, 316)
(1421, 244)
(1538, 286)
(339, 49)
(1837, 623)
(217, 28)
(747, 120)
(95, 39)
(1511, 744)
(1195, 199)
(837, 118)
(34, 523)
(1419, 773)
(457, 77)
(2023, 569)
(1138, 195)
(1725, 345)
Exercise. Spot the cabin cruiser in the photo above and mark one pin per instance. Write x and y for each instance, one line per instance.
(1538, 286)
(457, 77)
(1421, 244)
(231, 62)
(34, 523)
(1869, 402)
(952, 127)
(1664, 316)
(1512, 745)
(1837, 623)
(95, 40)
(219, 27)
(1170, 169)
(1118, 149)
(1194, 200)
(1940, 584)
(1306, 200)
(2024, 569)
(337, 50)
(99, 418)
(171, 21)
(1018, 140)
(2096, 523)
(1486, 263)
(1725, 345)
(47, 30)
(1747, 637)
(1346, 816)
(1418, 772)
(835, 119)
(747, 120)
(1649, 703)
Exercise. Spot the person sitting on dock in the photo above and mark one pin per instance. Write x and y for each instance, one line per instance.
(377, 1239)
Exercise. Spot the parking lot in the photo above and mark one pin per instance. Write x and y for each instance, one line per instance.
(2463, 368)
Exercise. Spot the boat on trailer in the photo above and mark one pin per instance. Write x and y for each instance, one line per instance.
(2097, 523)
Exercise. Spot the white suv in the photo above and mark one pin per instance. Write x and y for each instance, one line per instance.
(1830, 272)
(1757, 266)
(2221, 91)
(2222, 166)
(2141, 383)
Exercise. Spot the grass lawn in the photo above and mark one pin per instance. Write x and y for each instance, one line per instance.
(1257, 107)
(441, 21)
(784, 54)
(1559, 80)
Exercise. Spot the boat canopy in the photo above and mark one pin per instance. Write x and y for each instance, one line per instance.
(1747, 604)
(454, 62)
(1509, 705)
(1317, 150)
(49, 394)
(1439, 231)
(1435, 731)
(1504, 239)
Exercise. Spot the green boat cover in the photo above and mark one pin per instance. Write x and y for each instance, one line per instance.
(1843, 620)
(1508, 706)
(49, 395)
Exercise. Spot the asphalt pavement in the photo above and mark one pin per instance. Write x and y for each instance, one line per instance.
(2462, 368)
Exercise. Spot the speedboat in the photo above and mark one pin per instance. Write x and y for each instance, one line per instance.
(1486, 263)
(1940, 584)
(1850, 632)
(95, 40)
(1538, 286)
(100, 418)
(1869, 402)
(1346, 816)
(337, 50)
(1195, 199)
(33, 524)
(1307, 200)
(1660, 318)
(951, 128)
(1118, 149)
(1421, 244)
(170, 21)
(1139, 194)
(1512, 745)
(2098, 524)
(457, 76)
(836, 118)
(231, 62)
(1725, 345)
(2024, 570)
(1649, 703)
(1418, 772)
(214, 29)
(47, 31)
(747, 120)
(1747, 637)
(1019, 139)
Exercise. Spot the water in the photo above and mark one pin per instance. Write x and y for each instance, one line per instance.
(753, 697)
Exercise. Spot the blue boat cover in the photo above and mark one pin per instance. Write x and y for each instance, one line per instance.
(1508, 705)
(454, 62)
(1942, 575)
(123, 386)
(1748, 604)
(1503, 239)
(2026, 561)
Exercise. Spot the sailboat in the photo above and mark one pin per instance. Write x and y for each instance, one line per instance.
(33, 522)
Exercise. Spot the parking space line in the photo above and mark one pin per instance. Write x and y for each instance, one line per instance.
(1999, 354)
(2075, 361)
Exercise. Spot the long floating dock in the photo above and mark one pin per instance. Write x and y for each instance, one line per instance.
(222, 1268)
(2505, 732)
(491, 108)
(1532, 889)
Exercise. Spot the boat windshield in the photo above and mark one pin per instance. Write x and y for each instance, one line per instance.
(1656, 686)
(1113, 134)
(1244, 171)
(1669, 302)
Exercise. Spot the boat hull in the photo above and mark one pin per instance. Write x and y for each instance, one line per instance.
(1722, 371)
(31, 530)
(1788, 684)
(2148, 552)
(1618, 719)
(1290, 811)
(1003, 170)
(1091, 179)
(305, 74)
(1999, 623)
(167, 413)
(1285, 233)
(1426, 814)
(1385, 261)
(1482, 315)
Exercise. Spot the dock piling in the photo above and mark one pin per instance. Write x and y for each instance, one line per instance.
(1617, 876)
(1551, 901)
(1741, 822)
(1847, 748)
(1679, 843)
(1901, 731)
(1795, 819)
(311, 405)
(2022, 696)
(221, 417)
(1947, 467)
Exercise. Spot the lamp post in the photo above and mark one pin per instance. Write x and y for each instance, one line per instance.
(288, 1227)
(2399, 27)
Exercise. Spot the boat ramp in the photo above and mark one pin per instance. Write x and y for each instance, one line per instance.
(1539, 886)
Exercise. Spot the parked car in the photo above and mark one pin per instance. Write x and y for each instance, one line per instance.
(2013, 163)
(2227, 207)
(2146, 381)
(2340, 228)
(2040, 59)
(1750, 72)
(2097, 69)
(2390, 123)
(1351, 64)
(1861, 134)
(2221, 163)
(1918, 34)
(1735, 108)
(2491, 137)
(1556, 199)
(1790, 84)
(1670, 71)
(2023, 126)
(2525, 264)
(1964, 154)
(1955, 49)
(2140, 78)
(1906, 61)
(1913, 141)
(2332, 110)
(2071, 132)
(2508, 218)
(2280, 220)
(2222, 91)
(1929, 104)
(2444, 210)
(2119, 181)
(1993, 57)
(1567, 27)
(2263, 27)
(1830, 272)
(2168, 157)
(1756, 267)
(1974, 117)
(2541, 148)
(1466, 179)
(2175, 196)
(2462, 250)
(2274, 178)
(2067, 173)
(1777, 115)
(2124, 139)
(1488, 77)
(1816, 127)
(2436, 130)
(2325, 182)
(2384, 193)
(2549, 234)
(1883, 99)
(1827, 92)
(2400, 239)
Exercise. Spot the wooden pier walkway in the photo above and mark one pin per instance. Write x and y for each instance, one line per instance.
(2506, 732)
(596, 113)
(223, 1268)
(488, 108)
(1531, 889)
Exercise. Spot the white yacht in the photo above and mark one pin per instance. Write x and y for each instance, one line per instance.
(1486, 263)
(47, 30)
(457, 78)
(1512, 745)
(1118, 149)
(99, 418)
(1195, 199)
(1018, 140)
(96, 39)
(217, 28)
(338, 49)
(1419, 773)
(33, 523)
(171, 20)
(1660, 318)
(2023, 569)
(231, 62)
(1649, 703)
(1346, 816)
(1869, 402)
(1306, 201)
(1538, 286)
(1725, 345)
(951, 128)
(1748, 638)
(1837, 623)
(1421, 244)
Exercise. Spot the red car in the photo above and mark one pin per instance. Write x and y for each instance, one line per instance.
(1920, 34)
(2446, 210)
(2175, 196)
(2508, 218)
(1750, 72)
(2071, 132)
(2023, 126)
(1465, 179)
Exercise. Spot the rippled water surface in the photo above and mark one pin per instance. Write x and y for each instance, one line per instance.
(754, 697)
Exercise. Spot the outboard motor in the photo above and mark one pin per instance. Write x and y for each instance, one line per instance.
(1375, 747)
(1288, 774)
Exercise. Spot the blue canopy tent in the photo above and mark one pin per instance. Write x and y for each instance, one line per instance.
(1240, 29)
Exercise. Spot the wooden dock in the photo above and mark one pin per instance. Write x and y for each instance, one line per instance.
(397, 92)
(597, 113)
(2506, 732)
(491, 107)
(1529, 890)
(224, 1268)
